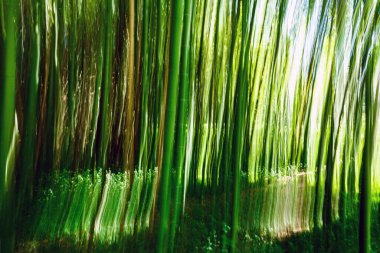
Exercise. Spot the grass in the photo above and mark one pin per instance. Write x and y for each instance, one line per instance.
(67, 208)
(61, 218)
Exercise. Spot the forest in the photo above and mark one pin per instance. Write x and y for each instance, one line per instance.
(189, 126)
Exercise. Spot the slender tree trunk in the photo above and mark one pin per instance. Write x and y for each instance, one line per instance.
(182, 120)
(371, 107)
(30, 118)
(9, 13)
(170, 117)
(365, 184)
(365, 177)
(240, 129)
(130, 118)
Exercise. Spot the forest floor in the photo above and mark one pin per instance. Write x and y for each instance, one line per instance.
(201, 233)
(203, 227)
(341, 236)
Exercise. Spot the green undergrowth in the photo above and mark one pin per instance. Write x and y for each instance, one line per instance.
(76, 212)
(341, 237)
(202, 229)
(82, 207)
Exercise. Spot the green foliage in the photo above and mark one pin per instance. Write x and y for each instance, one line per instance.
(241, 103)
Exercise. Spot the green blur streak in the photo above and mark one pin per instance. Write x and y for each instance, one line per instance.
(182, 120)
(30, 121)
(72, 82)
(8, 49)
(95, 112)
(365, 188)
(108, 43)
(370, 121)
(239, 140)
(170, 117)
(143, 156)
